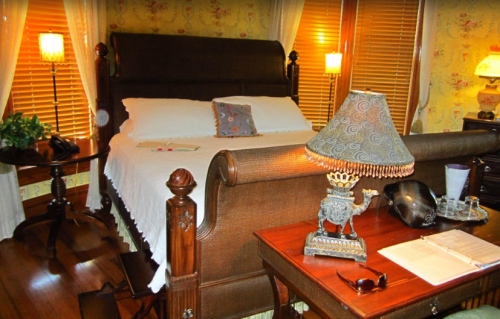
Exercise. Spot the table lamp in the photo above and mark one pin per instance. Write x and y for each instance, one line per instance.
(489, 97)
(360, 140)
(52, 51)
(333, 63)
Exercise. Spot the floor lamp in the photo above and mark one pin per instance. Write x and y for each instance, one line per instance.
(332, 68)
(52, 51)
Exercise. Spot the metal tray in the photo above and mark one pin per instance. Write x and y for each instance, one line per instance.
(482, 214)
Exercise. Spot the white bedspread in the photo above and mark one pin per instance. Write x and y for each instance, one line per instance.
(139, 175)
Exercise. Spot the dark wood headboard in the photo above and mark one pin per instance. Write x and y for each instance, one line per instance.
(197, 68)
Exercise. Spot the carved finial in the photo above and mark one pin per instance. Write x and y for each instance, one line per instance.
(101, 49)
(181, 182)
(294, 56)
(181, 177)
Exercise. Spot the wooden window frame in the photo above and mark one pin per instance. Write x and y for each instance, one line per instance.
(346, 47)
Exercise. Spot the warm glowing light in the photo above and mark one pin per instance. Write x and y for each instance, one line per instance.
(333, 63)
(51, 47)
(321, 38)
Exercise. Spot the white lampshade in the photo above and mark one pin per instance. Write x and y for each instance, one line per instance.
(490, 66)
(333, 63)
(51, 47)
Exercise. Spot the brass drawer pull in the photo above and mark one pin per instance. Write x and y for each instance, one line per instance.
(487, 169)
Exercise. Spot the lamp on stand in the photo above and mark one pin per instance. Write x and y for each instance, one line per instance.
(333, 63)
(489, 97)
(361, 140)
(52, 51)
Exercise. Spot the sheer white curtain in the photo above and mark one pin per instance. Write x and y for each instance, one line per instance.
(429, 32)
(87, 26)
(13, 15)
(284, 21)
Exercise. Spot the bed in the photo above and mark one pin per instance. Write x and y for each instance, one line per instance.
(248, 183)
(190, 72)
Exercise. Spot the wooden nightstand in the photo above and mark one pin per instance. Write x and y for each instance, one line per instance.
(490, 189)
(43, 155)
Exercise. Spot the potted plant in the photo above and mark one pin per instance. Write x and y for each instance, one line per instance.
(21, 131)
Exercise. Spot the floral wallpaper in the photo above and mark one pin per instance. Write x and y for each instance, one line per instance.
(467, 29)
(208, 18)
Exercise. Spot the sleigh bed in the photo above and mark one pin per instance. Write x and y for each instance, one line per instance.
(209, 260)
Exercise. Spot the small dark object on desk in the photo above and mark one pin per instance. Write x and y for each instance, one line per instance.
(364, 285)
(413, 201)
(62, 147)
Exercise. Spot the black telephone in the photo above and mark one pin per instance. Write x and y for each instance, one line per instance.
(62, 147)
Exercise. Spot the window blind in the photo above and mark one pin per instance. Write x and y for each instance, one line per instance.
(383, 52)
(32, 88)
(317, 35)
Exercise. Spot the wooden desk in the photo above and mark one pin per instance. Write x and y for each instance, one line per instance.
(315, 281)
(42, 155)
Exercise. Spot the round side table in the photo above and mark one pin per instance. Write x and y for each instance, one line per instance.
(42, 155)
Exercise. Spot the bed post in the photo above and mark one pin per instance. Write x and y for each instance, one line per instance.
(181, 275)
(103, 117)
(293, 76)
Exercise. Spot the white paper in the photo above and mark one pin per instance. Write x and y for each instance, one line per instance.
(444, 256)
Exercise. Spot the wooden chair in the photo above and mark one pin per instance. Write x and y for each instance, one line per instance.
(138, 269)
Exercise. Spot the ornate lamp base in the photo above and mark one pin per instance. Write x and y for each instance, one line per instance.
(334, 246)
(486, 115)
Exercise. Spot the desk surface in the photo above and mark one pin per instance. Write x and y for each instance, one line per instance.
(42, 154)
(315, 280)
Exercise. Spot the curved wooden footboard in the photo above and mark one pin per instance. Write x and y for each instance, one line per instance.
(249, 190)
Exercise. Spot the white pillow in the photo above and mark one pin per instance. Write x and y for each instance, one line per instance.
(127, 127)
(272, 114)
(170, 118)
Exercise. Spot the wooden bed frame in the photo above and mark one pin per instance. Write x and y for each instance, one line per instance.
(214, 270)
(197, 68)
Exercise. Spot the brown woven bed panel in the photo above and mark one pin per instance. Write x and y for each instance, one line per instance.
(250, 207)
(426, 147)
(230, 250)
(282, 162)
(236, 299)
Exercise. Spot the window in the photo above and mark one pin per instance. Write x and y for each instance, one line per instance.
(32, 88)
(383, 54)
(317, 35)
(383, 38)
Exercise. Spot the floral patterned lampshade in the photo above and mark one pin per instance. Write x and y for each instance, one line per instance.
(489, 97)
(361, 139)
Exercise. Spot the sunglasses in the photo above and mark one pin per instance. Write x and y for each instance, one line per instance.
(365, 284)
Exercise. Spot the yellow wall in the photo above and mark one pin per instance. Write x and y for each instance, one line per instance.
(208, 18)
(467, 28)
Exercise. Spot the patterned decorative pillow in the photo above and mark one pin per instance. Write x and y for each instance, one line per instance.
(234, 120)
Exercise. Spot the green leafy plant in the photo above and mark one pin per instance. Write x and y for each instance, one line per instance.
(21, 131)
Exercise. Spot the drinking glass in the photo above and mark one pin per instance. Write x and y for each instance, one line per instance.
(471, 206)
(447, 205)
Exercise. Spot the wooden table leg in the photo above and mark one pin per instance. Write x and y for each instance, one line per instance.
(56, 212)
(19, 231)
(282, 307)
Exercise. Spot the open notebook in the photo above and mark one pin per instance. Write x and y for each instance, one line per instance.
(444, 256)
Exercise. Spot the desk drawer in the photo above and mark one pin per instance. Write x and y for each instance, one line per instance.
(469, 126)
(490, 187)
(492, 166)
(444, 301)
